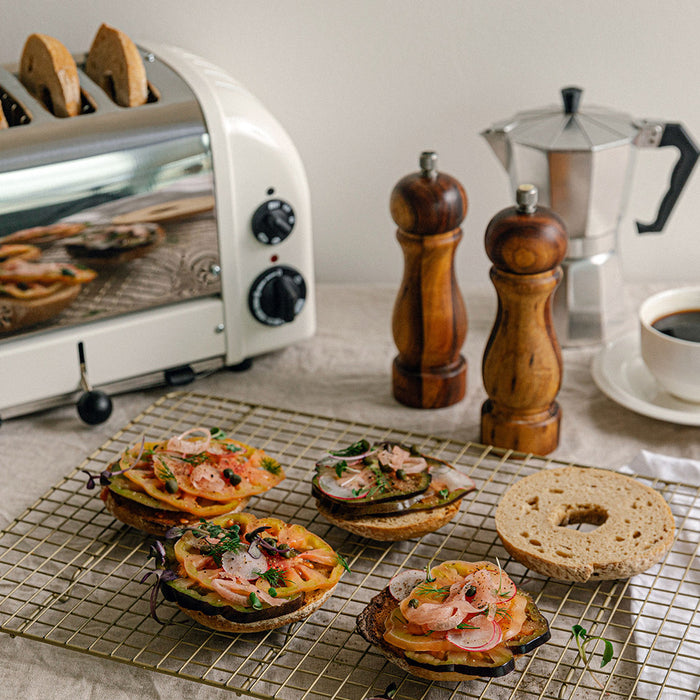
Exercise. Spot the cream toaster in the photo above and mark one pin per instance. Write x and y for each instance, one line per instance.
(206, 164)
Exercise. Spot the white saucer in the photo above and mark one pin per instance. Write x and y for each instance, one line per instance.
(620, 373)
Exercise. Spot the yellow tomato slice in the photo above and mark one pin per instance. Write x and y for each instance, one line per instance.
(315, 566)
(203, 487)
(510, 615)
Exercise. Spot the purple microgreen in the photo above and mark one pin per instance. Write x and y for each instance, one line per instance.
(161, 575)
(252, 535)
(105, 477)
(157, 553)
(174, 533)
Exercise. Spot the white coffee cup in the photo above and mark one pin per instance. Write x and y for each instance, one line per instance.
(675, 363)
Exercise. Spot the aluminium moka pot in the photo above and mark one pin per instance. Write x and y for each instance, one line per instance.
(581, 161)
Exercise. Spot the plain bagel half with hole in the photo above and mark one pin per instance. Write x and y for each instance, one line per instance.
(634, 526)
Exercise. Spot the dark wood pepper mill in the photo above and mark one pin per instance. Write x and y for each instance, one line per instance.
(522, 365)
(430, 320)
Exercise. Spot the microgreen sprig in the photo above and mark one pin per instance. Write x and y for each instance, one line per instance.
(357, 448)
(582, 638)
(105, 476)
(343, 562)
(157, 553)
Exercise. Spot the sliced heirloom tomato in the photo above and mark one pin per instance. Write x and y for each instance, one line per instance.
(465, 615)
(203, 477)
(312, 566)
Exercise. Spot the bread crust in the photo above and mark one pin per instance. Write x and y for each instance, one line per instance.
(46, 67)
(16, 314)
(115, 64)
(635, 524)
(113, 257)
(312, 602)
(394, 528)
(151, 520)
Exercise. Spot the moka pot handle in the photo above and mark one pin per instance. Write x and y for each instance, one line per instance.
(658, 135)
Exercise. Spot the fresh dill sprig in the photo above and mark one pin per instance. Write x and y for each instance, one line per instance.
(442, 591)
(228, 540)
(275, 577)
(270, 464)
(162, 470)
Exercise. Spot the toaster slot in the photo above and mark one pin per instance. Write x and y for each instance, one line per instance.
(14, 112)
(108, 90)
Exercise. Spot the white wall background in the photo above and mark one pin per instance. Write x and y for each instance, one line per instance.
(362, 86)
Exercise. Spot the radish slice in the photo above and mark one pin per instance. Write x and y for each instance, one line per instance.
(329, 484)
(479, 634)
(404, 582)
(254, 550)
(448, 477)
(243, 565)
(180, 444)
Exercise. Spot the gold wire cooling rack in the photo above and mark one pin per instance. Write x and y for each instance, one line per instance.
(70, 576)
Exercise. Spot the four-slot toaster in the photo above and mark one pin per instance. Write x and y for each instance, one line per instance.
(205, 162)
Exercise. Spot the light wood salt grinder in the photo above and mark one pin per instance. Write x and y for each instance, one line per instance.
(429, 321)
(522, 364)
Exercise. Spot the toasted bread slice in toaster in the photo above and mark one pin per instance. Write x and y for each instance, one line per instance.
(49, 73)
(3, 121)
(115, 64)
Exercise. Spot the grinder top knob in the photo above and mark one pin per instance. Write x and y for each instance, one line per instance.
(428, 203)
(523, 239)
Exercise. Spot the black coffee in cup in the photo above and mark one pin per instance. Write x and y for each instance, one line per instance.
(684, 325)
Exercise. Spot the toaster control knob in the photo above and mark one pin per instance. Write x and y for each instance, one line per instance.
(277, 295)
(273, 221)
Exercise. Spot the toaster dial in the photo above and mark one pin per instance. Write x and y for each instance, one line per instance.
(273, 221)
(277, 295)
